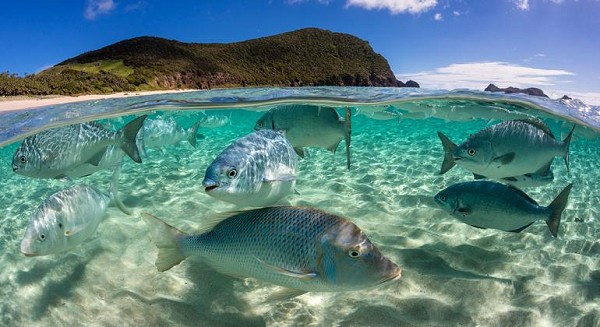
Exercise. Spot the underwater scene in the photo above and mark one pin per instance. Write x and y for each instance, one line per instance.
(302, 207)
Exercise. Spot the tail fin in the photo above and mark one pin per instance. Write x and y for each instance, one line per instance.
(130, 132)
(558, 206)
(192, 132)
(114, 188)
(348, 131)
(567, 142)
(449, 148)
(166, 238)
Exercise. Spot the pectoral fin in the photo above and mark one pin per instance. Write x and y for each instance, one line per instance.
(477, 176)
(464, 211)
(510, 179)
(75, 229)
(301, 152)
(285, 294)
(287, 272)
(95, 160)
(505, 159)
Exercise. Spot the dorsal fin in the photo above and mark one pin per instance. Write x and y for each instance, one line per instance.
(539, 124)
(523, 194)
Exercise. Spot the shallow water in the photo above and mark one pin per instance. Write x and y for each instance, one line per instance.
(453, 274)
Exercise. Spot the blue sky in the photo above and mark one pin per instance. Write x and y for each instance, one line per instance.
(550, 44)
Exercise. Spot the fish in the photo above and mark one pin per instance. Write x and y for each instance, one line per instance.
(64, 220)
(113, 156)
(256, 170)
(300, 248)
(55, 152)
(488, 204)
(160, 132)
(214, 121)
(306, 125)
(529, 180)
(508, 149)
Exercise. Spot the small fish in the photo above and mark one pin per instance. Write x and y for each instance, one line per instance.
(160, 132)
(486, 204)
(64, 220)
(214, 121)
(54, 152)
(508, 149)
(309, 126)
(256, 170)
(301, 248)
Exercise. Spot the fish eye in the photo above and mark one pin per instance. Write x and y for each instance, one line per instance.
(354, 253)
(42, 237)
(232, 173)
(22, 159)
(443, 197)
(471, 152)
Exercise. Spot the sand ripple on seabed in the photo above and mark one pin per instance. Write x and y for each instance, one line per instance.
(453, 274)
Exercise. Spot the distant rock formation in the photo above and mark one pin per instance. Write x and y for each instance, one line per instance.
(411, 83)
(530, 90)
(566, 97)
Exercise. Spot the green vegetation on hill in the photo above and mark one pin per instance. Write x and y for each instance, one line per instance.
(301, 58)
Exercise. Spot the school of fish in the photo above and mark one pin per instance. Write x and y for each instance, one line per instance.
(302, 249)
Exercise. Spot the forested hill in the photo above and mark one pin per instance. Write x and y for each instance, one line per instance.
(305, 57)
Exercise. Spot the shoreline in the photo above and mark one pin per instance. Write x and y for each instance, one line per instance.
(16, 103)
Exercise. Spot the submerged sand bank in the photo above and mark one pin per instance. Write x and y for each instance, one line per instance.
(26, 102)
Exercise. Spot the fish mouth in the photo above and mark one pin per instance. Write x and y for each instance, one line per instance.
(29, 254)
(210, 188)
(456, 158)
(394, 276)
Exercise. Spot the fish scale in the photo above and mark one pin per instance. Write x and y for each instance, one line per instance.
(301, 248)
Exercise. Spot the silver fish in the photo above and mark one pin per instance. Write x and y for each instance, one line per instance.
(256, 170)
(530, 180)
(309, 126)
(486, 204)
(511, 148)
(214, 121)
(64, 220)
(159, 132)
(301, 248)
(53, 153)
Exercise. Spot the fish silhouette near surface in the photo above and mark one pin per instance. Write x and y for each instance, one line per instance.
(54, 153)
(64, 220)
(508, 149)
(256, 170)
(309, 126)
(160, 132)
(487, 204)
(300, 248)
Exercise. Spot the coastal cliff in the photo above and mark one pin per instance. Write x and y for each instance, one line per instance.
(307, 57)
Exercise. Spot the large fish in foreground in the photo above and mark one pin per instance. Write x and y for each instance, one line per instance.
(55, 152)
(486, 204)
(508, 149)
(64, 220)
(301, 248)
(309, 126)
(256, 170)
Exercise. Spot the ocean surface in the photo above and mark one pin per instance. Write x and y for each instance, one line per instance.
(453, 274)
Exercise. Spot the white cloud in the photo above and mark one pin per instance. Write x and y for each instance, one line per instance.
(522, 4)
(456, 13)
(479, 74)
(438, 16)
(98, 7)
(394, 6)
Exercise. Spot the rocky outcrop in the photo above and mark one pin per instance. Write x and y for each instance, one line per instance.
(530, 90)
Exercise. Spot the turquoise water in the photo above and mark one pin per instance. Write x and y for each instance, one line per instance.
(453, 274)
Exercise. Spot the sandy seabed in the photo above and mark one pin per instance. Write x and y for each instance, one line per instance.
(453, 274)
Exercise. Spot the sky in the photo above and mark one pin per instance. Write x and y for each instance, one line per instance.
(442, 44)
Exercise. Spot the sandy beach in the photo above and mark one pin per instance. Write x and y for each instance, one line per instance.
(13, 103)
